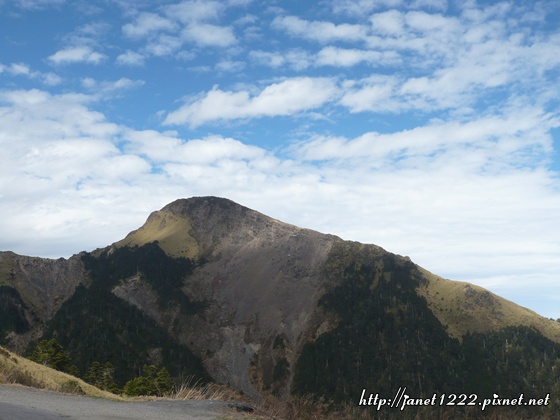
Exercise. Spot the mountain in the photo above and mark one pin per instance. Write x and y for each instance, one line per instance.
(32, 290)
(209, 288)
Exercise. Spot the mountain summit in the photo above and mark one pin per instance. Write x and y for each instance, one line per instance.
(210, 288)
(262, 279)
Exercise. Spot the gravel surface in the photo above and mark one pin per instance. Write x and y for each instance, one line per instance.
(21, 403)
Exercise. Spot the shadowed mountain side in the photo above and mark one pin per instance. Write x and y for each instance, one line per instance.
(41, 286)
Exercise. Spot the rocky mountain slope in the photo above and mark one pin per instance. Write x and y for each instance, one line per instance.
(211, 288)
(32, 290)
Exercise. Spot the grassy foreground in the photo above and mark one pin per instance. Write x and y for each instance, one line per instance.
(15, 369)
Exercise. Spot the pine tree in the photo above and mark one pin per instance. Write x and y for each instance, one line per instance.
(102, 376)
(50, 353)
(164, 382)
(153, 382)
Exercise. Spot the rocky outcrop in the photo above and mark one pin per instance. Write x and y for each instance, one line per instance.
(261, 282)
(43, 286)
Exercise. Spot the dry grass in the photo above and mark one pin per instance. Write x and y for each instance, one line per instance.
(15, 369)
(171, 232)
(190, 390)
(465, 307)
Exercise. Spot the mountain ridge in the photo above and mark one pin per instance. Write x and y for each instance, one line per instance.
(248, 297)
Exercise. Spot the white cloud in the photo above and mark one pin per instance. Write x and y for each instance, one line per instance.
(271, 59)
(459, 65)
(429, 4)
(207, 35)
(296, 59)
(178, 24)
(88, 35)
(208, 151)
(61, 163)
(344, 57)
(190, 11)
(320, 31)
(110, 87)
(429, 22)
(388, 23)
(52, 147)
(164, 45)
(146, 24)
(77, 55)
(376, 94)
(501, 141)
(131, 58)
(236, 3)
(284, 98)
(362, 7)
(478, 192)
(51, 79)
(230, 66)
(38, 4)
(21, 69)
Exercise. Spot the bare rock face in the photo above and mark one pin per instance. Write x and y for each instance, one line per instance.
(43, 285)
(262, 281)
(273, 283)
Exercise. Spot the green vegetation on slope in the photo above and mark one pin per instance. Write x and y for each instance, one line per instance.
(50, 353)
(11, 312)
(153, 382)
(96, 326)
(386, 337)
(15, 369)
(164, 273)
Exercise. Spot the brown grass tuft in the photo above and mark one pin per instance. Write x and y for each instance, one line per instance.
(190, 390)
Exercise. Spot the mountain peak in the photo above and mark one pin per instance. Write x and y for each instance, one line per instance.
(190, 227)
(185, 206)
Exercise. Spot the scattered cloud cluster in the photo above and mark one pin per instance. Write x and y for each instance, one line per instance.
(287, 97)
(165, 32)
(76, 55)
(38, 4)
(21, 69)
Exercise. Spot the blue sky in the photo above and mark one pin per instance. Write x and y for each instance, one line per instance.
(428, 127)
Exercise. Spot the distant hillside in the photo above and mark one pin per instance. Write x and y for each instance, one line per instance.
(209, 288)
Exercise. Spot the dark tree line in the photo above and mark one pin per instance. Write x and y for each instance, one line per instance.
(387, 337)
(95, 326)
(154, 381)
(12, 312)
